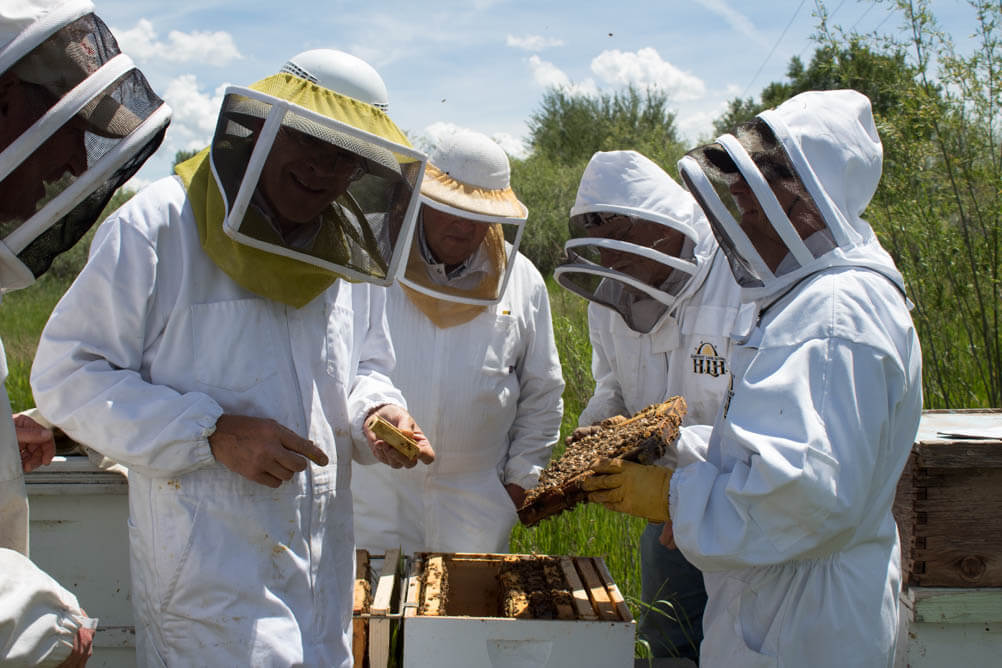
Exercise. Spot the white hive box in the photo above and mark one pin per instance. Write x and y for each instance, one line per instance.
(471, 634)
(79, 535)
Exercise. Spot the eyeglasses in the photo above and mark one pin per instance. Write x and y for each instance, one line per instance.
(350, 165)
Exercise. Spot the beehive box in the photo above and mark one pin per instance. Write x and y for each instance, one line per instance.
(376, 608)
(949, 499)
(79, 536)
(464, 625)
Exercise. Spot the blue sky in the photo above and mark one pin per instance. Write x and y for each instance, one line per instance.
(482, 64)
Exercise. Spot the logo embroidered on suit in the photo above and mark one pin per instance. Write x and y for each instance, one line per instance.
(706, 361)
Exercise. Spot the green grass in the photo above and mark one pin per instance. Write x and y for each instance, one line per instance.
(22, 315)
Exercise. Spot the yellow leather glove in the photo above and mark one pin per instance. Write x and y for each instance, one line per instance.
(631, 488)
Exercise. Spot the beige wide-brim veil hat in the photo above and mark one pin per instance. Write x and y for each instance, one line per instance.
(467, 172)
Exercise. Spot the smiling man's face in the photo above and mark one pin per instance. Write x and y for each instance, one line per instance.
(303, 175)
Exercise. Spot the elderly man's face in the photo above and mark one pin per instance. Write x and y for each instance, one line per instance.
(755, 223)
(303, 175)
(643, 233)
(452, 239)
(63, 153)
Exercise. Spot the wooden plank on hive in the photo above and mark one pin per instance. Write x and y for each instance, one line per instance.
(386, 582)
(413, 596)
(958, 529)
(950, 605)
(596, 590)
(379, 623)
(359, 625)
(557, 583)
(578, 593)
(959, 454)
(614, 594)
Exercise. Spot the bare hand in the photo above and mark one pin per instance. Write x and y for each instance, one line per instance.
(667, 537)
(82, 648)
(261, 449)
(402, 420)
(36, 443)
(516, 493)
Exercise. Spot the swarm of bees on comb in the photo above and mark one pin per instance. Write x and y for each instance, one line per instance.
(643, 438)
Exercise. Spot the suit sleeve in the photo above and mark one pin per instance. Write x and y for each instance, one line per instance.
(86, 376)
(540, 405)
(372, 386)
(607, 399)
(38, 618)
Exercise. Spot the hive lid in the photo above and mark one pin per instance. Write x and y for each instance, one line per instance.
(971, 424)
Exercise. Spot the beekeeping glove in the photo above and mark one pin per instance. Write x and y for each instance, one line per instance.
(631, 488)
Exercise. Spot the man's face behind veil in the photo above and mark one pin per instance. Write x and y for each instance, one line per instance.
(303, 175)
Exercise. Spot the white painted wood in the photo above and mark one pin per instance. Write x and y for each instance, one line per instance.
(482, 642)
(950, 627)
(79, 535)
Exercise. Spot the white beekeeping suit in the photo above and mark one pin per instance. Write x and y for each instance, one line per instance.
(476, 360)
(789, 514)
(216, 298)
(683, 351)
(686, 351)
(77, 120)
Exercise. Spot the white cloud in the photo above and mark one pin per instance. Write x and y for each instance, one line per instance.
(513, 146)
(548, 75)
(696, 125)
(644, 69)
(737, 21)
(207, 48)
(195, 113)
(532, 42)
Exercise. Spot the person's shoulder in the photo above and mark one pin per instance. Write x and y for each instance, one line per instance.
(155, 205)
(851, 303)
(527, 269)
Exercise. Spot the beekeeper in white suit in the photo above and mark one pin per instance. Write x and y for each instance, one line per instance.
(476, 360)
(77, 119)
(213, 345)
(663, 303)
(787, 511)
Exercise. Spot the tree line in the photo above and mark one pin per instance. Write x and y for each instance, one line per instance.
(938, 209)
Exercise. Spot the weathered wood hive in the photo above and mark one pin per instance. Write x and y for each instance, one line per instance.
(641, 438)
(949, 499)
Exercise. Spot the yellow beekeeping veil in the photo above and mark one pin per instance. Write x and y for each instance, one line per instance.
(302, 186)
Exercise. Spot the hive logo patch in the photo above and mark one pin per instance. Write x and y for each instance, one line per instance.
(706, 361)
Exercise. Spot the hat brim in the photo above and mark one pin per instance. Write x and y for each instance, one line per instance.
(439, 186)
(379, 161)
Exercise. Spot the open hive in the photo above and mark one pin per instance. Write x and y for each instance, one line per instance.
(516, 586)
(465, 610)
(643, 438)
